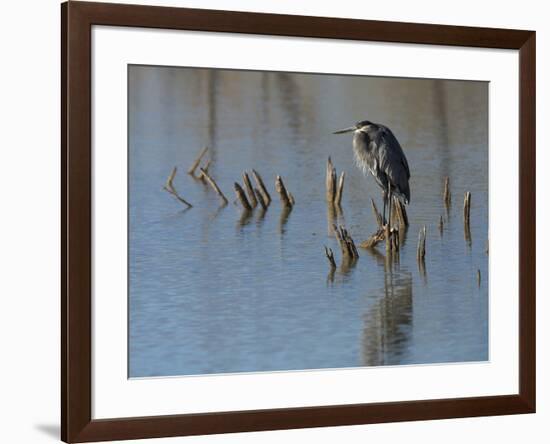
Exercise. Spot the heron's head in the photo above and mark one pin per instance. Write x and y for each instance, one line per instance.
(359, 126)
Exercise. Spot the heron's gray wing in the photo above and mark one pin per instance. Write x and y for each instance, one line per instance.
(393, 161)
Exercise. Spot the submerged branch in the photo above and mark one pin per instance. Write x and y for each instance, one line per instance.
(197, 161)
(214, 185)
(169, 187)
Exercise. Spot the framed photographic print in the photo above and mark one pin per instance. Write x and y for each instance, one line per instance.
(279, 221)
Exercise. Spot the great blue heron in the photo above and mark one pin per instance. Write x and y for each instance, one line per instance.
(377, 150)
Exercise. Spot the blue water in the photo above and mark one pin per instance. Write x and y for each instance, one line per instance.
(214, 290)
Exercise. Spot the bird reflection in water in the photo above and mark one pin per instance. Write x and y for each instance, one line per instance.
(291, 101)
(388, 324)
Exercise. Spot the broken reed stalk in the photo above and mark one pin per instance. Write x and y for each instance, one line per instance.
(440, 225)
(249, 190)
(197, 161)
(421, 249)
(170, 180)
(403, 213)
(339, 189)
(169, 187)
(478, 277)
(382, 233)
(330, 181)
(242, 197)
(467, 202)
(377, 214)
(174, 193)
(214, 185)
(340, 239)
(260, 198)
(372, 241)
(330, 256)
(334, 185)
(261, 187)
(398, 210)
(286, 200)
(393, 241)
(347, 245)
(206, 167)
(447, 192)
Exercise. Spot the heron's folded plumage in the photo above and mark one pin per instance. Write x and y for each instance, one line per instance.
(377, 150)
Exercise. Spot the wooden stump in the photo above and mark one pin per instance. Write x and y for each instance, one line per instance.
(261, 187)
(242, 197)
(339, 190)
(347, 245)
(330, 181)
(285, 196)
(249, 190)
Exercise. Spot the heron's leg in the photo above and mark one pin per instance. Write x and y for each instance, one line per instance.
(389, 206)
(384, 197)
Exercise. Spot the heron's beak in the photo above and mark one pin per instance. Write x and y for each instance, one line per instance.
(345, 130)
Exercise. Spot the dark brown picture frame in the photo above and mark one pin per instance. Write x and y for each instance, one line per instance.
(77, 19)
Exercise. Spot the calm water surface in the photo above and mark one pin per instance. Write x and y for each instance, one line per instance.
(215, 291)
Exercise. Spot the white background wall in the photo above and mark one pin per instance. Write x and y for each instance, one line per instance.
(29, 219)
